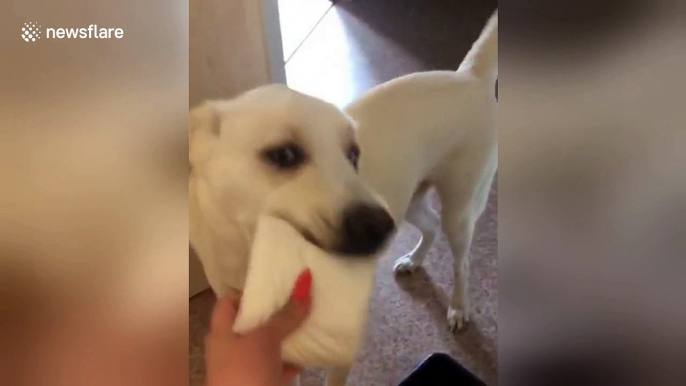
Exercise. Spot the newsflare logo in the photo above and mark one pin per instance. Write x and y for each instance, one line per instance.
(32, 31)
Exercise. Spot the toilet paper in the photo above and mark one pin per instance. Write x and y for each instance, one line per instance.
(341, 289)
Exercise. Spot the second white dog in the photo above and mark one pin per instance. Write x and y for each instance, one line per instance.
(435, 129)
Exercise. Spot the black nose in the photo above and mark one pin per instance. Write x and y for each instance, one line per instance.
(365, 229)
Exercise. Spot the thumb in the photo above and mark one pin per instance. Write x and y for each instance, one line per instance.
(290, 372)
(289, 318)
(224, 315)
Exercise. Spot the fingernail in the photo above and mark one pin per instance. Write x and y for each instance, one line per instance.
(303, 287)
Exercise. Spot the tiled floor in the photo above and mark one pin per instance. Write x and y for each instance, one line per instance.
(360, 43)
(298, 19)
(337, 53)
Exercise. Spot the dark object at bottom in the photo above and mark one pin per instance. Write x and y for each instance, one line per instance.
(441, 370)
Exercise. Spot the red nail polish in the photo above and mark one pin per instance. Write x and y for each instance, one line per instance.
(303, 287)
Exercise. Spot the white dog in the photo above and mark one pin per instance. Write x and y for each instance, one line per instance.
(435, 129)
(278, 152)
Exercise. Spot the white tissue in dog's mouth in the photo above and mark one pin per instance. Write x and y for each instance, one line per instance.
(341, 289)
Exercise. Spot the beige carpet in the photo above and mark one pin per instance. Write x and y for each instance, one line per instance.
(407, 320)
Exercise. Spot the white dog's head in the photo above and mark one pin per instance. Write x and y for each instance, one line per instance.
(278, 152)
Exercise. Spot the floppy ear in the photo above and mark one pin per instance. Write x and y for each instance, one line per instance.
(203, 132)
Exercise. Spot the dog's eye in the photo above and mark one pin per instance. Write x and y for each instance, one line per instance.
(287, 156)
(354, 155)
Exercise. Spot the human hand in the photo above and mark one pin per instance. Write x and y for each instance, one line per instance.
(254, 358)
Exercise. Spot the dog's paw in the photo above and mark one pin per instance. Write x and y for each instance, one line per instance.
(457, 319)
(405, 265)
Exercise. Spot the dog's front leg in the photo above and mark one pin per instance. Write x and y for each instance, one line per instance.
(427, 221)
(296, 381)
(337, 376)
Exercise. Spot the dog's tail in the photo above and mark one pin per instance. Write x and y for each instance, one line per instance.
(482, 58)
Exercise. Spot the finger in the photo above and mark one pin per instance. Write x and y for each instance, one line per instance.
(224, 315)
(289, 318)
(234, 297)
(290, 372)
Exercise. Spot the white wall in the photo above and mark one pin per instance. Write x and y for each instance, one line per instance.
(234, 45)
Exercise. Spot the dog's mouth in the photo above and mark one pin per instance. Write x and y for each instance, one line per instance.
(309, 237)
(304, 232)
(365, 244)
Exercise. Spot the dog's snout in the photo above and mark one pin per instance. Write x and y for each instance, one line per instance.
(365, 229)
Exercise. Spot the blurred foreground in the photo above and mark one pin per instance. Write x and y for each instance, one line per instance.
(592, 230)
(93, 209)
